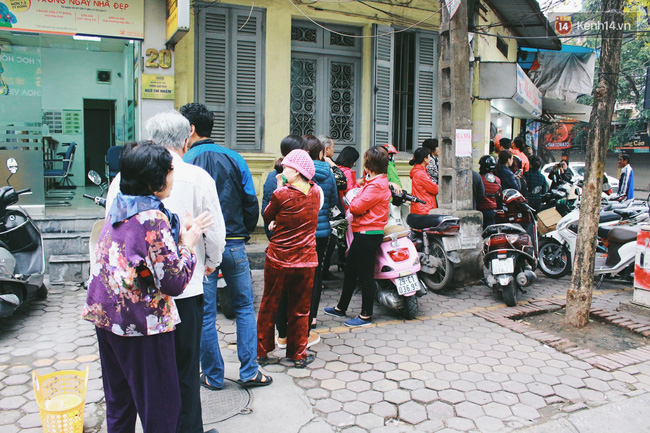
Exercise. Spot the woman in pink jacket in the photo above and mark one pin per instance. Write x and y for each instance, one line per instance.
(421, 184)
(370, 214)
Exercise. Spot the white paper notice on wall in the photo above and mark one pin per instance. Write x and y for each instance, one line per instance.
(463, 142)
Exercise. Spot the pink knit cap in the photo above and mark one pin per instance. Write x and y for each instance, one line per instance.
(300, 161)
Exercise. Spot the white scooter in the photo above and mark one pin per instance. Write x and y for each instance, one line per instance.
(557, 248)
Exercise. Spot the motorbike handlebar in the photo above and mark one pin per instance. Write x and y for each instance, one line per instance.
(100, 201)
(24, 191)
(406, 197)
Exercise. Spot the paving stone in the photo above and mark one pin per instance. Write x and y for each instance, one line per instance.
(397, 396)
(489, 424)
(469, 410)
(412, 412)
(524, 411)
(384, 385)
(356, 407)
(13, 402)
(369, 421)
(505, 397)
(440, 411)
(31, 420)
(437, 384)
(370, 397)
(358, 386)
(489, 385)
(17, 379)
(343, 395)
(460, 424)
(328, 405)
(384, 409)
(540, 389)
(340, 419)
(566, 392)
(478, 397)
(597, 384)
(451, 396)
(532, 400)
(497, 410)
(318, 393)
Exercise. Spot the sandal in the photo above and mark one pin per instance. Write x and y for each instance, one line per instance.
(259, 380)
(302, 363)
(205, 384)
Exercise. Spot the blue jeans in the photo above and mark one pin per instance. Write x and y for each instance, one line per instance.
(236, 271)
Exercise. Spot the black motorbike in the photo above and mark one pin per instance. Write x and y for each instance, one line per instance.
(22, 261)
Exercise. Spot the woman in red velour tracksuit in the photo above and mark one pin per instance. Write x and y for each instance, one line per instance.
(370, 215)
(421, 184)
(292, 216)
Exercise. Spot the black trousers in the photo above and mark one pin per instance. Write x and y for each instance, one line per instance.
(188, 361)
(360, 265)
(321, 248)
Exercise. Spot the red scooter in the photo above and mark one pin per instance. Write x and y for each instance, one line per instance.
(510, 252)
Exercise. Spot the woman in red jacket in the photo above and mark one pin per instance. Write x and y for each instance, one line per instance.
(421, 184)
(370, 215)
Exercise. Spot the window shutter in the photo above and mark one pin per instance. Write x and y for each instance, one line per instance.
(212, 68)
(383, 52)
(230, 74)
(426, 88)
(248, 54)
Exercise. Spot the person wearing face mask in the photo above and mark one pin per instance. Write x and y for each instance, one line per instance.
(369, 211)
(391, 173)
(291, 259)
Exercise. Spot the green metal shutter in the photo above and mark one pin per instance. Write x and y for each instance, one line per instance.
(383, 48)
(425, 106)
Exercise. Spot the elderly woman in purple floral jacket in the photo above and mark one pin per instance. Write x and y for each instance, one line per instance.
(143, 258)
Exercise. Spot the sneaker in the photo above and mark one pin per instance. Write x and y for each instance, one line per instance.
(331, 311)
(314, 338)
(358, 321)
(281, 342)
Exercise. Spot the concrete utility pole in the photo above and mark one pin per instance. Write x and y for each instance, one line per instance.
(580, 292)
(455, 109)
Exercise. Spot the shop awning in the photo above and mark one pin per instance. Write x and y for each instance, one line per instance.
(510, 90)
(525, 19)
(566, 110)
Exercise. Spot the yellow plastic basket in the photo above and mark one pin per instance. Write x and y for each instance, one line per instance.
(61, 397)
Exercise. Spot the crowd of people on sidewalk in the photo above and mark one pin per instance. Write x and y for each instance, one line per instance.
(179, 214)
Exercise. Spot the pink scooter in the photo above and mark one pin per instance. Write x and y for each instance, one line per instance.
(397, 264)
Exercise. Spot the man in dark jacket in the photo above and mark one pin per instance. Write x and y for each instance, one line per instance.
(240, 211)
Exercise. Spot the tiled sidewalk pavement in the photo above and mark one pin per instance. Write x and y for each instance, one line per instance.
(448, 370)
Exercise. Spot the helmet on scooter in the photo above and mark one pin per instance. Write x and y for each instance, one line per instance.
(486, 164)
(390, 148)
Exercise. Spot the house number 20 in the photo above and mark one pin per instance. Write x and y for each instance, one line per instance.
(155, 58)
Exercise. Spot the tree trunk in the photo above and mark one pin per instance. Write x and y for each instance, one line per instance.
(582, 279)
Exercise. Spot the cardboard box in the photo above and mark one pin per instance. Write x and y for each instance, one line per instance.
(547, 220)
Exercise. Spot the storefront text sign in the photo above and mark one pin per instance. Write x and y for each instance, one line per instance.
(115, 18)
(463, 142)
(157, 86)
(527, 94)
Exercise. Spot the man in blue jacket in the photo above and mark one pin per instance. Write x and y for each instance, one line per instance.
(240, 211)
(626, 182)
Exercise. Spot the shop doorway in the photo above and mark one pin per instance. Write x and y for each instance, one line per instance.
(99, 133)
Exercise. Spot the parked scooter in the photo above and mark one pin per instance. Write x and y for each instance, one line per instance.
(22, 260)
(397, 263)
(510, 254)
(557, 248)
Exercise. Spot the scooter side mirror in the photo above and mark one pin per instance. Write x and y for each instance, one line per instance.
(94, 177)
(12, 165)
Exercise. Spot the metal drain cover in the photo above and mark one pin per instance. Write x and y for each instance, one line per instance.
(220, 405)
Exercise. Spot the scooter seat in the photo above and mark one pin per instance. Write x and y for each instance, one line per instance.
(422, 222)
(627, 214)
(603, 232)
(400, 232)
(621, 235)
(609, 216)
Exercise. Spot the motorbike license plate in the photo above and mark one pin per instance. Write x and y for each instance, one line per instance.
(503, 266)
(407, 284)
(451, 243)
